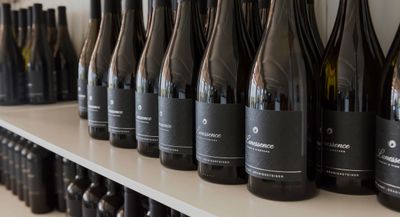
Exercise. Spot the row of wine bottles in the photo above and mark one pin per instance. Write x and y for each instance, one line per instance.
(238, 115)
(46, 181)
(38, 63)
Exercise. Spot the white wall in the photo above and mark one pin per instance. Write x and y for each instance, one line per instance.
(385, 16)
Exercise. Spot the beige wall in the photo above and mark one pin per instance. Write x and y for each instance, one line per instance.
(385, 15)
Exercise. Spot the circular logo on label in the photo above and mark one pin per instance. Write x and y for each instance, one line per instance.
(255, 130)
(329, 131)
(90, 98)
(204, 121)
(392, 144)
(112, 102)
(139, 107)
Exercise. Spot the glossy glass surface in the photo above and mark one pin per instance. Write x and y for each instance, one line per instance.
(252, 20)
(92, 195)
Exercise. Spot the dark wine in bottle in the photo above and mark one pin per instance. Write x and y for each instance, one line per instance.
(66, 61)
(157, 209)
(132, 204)
(221, 98)
(41, 181)
(59, 184)
(387, 153)
(51, 28)
(211, 12)
(4, 159)
(10, 152)
(12, 72)
(14, 22)
(41, 76)
(22, 28)
(264, 6)
(350, 77)
(280, 114)
(252, 20)
(75, 191)
(203, 13)
(25, 171)
(99, 67)
(147, 78)
(122, 77)
(177, 93)
(86, 53)
(17, 167)
(111, 202)
(26, 50)
(92, 195)
(312, 23)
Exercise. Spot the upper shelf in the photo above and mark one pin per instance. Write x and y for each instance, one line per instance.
(59, 129)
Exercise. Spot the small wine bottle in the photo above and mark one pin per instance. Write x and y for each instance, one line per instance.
(157, 209)
(10, 152)
(92, 195)
(132, 204)
(111, 202)
(4, 165)
(75, 191)
(68, 172)
(86, 53)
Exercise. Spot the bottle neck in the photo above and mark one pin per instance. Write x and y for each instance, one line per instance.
(62, 17)
(22, 18)
(96, 179)
(95, 9)
(81, 172)
(212, 3)
(112, 187)
(5, 15)
(51, 18)
(111, 6)
(132, 5)
(283, 13)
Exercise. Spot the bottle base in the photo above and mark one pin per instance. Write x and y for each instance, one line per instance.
(350, 186)
(148, 149)
(388, 201)
(99, 133)
(226, 175)
(123, 141)
(281, 191)
(184, 162)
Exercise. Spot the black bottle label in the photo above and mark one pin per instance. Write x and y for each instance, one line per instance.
(82, 95)
(348, 144)
(275, 145)
(220, 134)
(121, 111)
(388, 156)
(147, 117)
(97, 106)
(176, 125)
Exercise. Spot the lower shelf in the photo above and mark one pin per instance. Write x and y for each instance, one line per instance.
(11, 206)
(59, 129)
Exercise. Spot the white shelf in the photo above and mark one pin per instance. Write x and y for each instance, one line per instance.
(12, 207)
(59, 129)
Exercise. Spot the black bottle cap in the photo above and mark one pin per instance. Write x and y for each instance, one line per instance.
(132, 4)
(95, 9)
(111, 6)
(22, 16)
(37, 14)
(212, 3)
(263, 3)
(51, 17)
(62, 16)
(5, 14)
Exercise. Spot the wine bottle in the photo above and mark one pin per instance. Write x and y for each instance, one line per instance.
(211, 12)
(12, 74)
(132, 204)
(51, 32)
(17, 167)
(66, 61)
(68, 172)
(26, 50)
(387, 152)
(25, 171)
(40, 183)
(2, 135)
(221, 98)
(111, 202)
(147, 78)
(59, 184)
(279, 114)
(92, 195)
(14, 22)
(177, 93)
(312, 23)
(10, 152)
(252, 20)
(75, 192)
(122, 77)
(22, 31)
(86, 53)
(98, 69)
(41, 77)
(158, 209)
(349, 79)
(264, 6)
(4, 164)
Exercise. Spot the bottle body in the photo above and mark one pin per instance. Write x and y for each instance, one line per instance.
(147, 79)
(349, 81)
(221, 98)
(111, 202)
(75, 192)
